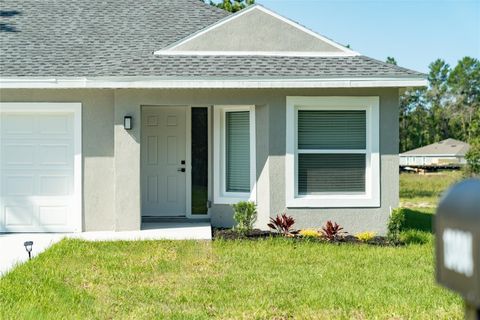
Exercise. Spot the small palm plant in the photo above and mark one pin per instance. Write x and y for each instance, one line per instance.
(282, 224)
(332, 231)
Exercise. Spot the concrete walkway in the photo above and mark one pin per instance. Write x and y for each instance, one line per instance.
(12, 251)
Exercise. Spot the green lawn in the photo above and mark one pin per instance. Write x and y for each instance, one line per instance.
(425, 190)
(266, 279)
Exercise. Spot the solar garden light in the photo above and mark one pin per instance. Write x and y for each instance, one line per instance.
(28, 246)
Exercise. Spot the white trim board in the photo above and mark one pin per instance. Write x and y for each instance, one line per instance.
(256, 53)
(371, 196)
(171, 48)
(161, 83)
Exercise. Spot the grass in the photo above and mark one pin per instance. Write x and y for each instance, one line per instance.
(419, 195)
(266, 279)
(425, 190)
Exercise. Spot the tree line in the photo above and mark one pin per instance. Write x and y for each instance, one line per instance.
(448, 108)
(230, 5)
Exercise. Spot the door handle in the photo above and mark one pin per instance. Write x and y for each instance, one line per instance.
(181, 169)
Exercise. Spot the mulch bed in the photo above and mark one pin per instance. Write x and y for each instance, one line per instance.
(256, 234)
(229, 234)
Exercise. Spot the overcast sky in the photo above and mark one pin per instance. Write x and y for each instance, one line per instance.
(414, 32)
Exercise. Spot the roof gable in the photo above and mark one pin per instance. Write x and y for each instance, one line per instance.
(271, 34)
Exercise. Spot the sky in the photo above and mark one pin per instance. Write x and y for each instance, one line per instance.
(414, 32)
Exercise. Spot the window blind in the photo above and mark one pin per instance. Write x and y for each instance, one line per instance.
(342, 173)
(237, 145)
(325, 129)
(332, 172)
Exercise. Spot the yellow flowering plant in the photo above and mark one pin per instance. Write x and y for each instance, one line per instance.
(365, 236)
(309, 233)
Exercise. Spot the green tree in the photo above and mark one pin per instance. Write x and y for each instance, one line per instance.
(464, 84)
(232, 6)
(448, 108)
(437, 97)
(391, 60)
(412, 114)
(473, 156)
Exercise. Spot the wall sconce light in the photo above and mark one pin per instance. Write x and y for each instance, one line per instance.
(28, 247)
(127, 123)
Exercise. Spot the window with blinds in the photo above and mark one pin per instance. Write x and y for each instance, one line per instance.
(331, 150)
(237, 151)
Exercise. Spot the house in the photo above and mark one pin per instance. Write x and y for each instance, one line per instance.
(449, 152)
(117, 112)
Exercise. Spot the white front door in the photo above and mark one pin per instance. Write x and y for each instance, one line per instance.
(163, 161)
(40, 163)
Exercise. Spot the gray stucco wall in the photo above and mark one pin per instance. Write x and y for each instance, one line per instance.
(237, 35)
(97, 148)
(111, 168)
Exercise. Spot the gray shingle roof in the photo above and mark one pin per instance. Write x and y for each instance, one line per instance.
(100, 38)
(450, 147)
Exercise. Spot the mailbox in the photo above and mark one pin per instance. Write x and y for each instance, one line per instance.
(457, 229)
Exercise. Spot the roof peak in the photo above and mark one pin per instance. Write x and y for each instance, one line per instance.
(274, 35)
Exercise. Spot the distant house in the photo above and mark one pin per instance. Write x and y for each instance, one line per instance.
(443, 153)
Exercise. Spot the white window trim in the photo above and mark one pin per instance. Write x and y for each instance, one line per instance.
(220, 195)
(371, 196)
(76, 109)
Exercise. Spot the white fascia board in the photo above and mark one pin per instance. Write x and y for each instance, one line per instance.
(122, 82)
(171, 48)
(257, 53)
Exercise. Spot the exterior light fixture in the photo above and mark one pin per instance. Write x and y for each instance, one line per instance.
(28, 246)
(127, 122)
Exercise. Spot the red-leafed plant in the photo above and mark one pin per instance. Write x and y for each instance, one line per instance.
(332, 231)
(283, 224)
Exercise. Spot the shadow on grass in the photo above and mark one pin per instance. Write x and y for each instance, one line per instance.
(419, 220)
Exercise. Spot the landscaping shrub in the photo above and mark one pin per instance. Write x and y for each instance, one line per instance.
(365, 236)
(310, 233)
(395, 225)
(332, 231)
(245, 214)
(414, 236)
(282, 224)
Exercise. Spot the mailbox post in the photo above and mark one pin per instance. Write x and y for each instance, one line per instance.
(457, 229)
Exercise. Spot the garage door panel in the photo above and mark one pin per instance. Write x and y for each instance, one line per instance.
(55, 154)
(19, 215)
(18, 185)
(40, 187)
(59, 124)
(17, 124)
(54, 185)
(18, 154)
(53, 215)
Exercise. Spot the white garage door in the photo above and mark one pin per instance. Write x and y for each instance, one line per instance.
(40, 167)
